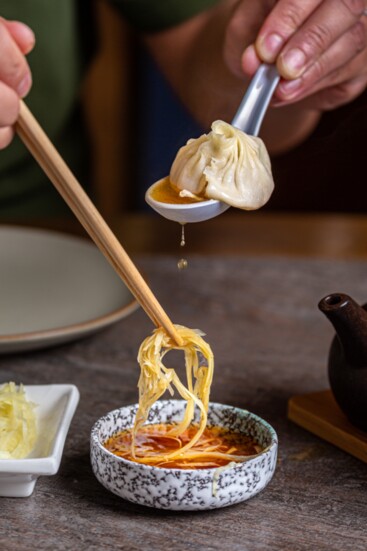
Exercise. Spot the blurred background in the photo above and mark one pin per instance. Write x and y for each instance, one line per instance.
(136, 123)
(137, 126)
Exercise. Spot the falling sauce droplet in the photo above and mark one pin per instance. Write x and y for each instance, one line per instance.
(182, 264)
(183, 242)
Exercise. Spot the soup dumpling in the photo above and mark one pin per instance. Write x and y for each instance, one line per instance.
(225, 164)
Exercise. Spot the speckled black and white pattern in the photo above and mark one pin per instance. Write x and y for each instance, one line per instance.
(178, 489)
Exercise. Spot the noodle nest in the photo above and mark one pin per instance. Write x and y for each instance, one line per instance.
(156, 378)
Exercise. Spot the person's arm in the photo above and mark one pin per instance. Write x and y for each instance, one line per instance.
(319, 48)
(196, 59)
(209, 60)
(16, 40)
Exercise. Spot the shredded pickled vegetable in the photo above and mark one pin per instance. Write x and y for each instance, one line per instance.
(18, 428)
(155, 379)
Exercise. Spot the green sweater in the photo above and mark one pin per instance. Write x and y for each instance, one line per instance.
(64, 39)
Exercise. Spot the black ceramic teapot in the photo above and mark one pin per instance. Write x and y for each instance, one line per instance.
(347, 363)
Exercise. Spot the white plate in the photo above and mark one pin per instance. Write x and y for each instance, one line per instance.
(56, 405)
(55, 288)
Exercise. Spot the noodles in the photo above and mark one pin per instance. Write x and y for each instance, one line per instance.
(156, 378)
(184, 445)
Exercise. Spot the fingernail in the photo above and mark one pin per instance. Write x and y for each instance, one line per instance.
(269, 47)
(27, 32)
(288, 88)
(293, 62)
(24, 86)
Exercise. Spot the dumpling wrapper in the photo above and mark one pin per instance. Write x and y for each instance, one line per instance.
(227, 165)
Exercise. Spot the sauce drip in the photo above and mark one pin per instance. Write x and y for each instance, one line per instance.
(155, 440)
(183, 242)
(182, 263)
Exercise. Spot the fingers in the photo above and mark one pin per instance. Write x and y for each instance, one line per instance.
(15, 79)
(339, 63)
(327, 99)
(304, 31)
(284, 20)
(8, 113)
(22, 34)
(14, 70)
(16, 40)
(322, 29)
(341, 85)
(9, 105)
(250, 61)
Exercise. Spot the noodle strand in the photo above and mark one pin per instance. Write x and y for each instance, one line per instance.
(155, 378)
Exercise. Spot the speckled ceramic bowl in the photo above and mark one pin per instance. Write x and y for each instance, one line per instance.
(179, 489)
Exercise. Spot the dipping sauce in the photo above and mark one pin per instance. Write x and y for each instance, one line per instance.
(164, 192)
(154, 440)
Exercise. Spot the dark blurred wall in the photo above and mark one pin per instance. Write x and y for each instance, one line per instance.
(163, 127)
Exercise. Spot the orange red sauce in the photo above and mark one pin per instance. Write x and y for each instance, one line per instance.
(153, 440)
(164, 192)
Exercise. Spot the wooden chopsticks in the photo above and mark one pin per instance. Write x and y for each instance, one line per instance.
(69, 188)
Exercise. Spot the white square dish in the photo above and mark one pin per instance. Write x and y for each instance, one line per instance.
(56, 405)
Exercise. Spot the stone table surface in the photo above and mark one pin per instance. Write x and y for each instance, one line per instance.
(270, 342)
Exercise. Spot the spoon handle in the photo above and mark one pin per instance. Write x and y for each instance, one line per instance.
(253, 106)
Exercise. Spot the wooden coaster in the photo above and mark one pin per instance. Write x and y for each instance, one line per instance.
(320, 414)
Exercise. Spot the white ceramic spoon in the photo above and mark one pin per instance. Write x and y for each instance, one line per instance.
(248, 118)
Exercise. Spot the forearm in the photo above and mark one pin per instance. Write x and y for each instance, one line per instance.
(191, 57)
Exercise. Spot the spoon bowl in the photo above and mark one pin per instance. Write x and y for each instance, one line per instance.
(248, 118)
(185, 213)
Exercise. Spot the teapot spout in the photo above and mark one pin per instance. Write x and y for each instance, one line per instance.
(347, 364)
(350, 323)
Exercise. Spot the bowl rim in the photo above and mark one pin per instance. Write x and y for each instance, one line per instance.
(94, 438)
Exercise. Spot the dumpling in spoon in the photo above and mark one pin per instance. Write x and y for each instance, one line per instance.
(227, 165)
